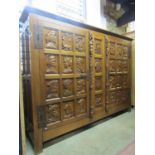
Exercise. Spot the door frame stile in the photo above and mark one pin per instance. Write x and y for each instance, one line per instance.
(35, 86)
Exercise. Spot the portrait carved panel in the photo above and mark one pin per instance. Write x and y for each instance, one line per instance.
(125, 96)
(113, 81)
(80, 65)
(125, 52)
(98, 83)
(112, 97)
(68, 87)
(111, 49)
(119, 51)
(67, 41)
(68, 109)
(119, 65)
(99, 100)
(124, 65)
(81, 86)
(53, 113)
(67, 64)
(52, 62)
(98, 46)
(124, 80)
(52, 89)
(81, 106)
(112, 65)
(51, 38)
(80, 43)
(118, 96)
(98, 65)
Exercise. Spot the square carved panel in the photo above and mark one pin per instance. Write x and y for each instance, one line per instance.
(52, 89)
(68, 87)
(67, 41)
(67, 64)
(99, 100)
(53, 112)
(98, 65)
(80, 43)
(98, 83)
(115, 81)
(98, 46)
(52, 64)
(51, 38)
(81, 86)
(81, 106)
(68, 109)
(80, 65)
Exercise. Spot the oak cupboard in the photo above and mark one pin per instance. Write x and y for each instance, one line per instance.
(73, 74)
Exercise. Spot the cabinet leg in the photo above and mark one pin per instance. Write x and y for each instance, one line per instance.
(38, 143)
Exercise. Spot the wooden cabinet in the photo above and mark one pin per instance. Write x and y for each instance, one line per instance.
(73, 74)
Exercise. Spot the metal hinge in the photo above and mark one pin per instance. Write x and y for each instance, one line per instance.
(41, 116)
(38, 36)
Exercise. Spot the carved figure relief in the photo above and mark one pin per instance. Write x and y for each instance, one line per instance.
(119, 97)
(98, 83)
(67, 64)
(81, 86)
(98, 46)
(81, 108)
(53, 113)
(67, 87)
(125, 65)
(80, 65)
(119, 51)
(112, 81)
(98, 100)
(112, 65)
(51, 64)
(119, 80)
(51, 39)
(112, 97)
(68, 110)
(111, 49)
(98, 65)
(67, 41)
(119, 65)
(124, 80)
(125, 52)
(52, 89)
(125, 96)
(79, 43)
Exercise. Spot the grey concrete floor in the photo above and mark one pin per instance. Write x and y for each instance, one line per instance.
(106, 137)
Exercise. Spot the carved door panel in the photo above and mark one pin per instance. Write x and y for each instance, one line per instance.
(97, 67)
(117, 62)
(64, 73)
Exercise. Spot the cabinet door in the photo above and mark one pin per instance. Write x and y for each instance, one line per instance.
(118, 71)
(64, 74)
(97, 69)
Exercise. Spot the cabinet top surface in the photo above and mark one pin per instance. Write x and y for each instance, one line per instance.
(27, 10)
